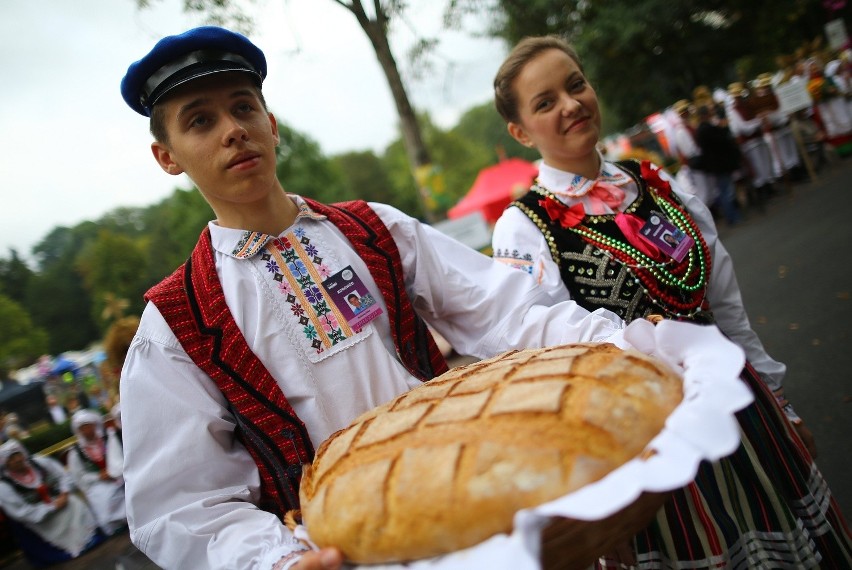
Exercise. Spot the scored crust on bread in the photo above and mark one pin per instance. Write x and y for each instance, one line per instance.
(448, 464)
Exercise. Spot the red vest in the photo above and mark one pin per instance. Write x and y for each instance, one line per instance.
(193, 304)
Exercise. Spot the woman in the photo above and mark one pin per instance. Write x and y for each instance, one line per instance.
(96, 464)
(597, 229)
(52, 523)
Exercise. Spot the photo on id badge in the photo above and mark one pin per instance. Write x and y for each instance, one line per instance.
(352, 298)
(659, 231)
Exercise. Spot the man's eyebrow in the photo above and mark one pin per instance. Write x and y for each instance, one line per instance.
(185, 109)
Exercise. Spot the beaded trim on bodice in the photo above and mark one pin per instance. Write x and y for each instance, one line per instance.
(602, 270)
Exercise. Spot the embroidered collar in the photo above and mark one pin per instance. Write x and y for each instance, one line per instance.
(568, 185)
(244, 244)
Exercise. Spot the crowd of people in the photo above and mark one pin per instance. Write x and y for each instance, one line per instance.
(60, 507)
(736, 146)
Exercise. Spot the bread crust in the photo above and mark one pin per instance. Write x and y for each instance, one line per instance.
(448, 464)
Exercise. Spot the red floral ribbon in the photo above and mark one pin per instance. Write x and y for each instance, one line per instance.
(651, 175)
(559, 212)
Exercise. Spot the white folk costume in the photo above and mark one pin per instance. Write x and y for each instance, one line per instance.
(686, 149)
(28, 500)
(777, 131)
(96, 466)
(193, 487)
(747, 128)
(767, 501)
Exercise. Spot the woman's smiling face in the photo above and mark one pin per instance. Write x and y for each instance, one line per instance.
(558, 112)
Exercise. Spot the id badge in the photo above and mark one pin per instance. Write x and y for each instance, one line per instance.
(661, 232)
(352, 298)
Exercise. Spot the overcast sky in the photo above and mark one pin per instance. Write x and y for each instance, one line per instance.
(71, 150)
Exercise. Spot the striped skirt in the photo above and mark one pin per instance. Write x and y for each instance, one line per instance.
(765, 506)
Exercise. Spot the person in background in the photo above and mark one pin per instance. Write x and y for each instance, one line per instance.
(96, 464)
(583, 228)
(58, 413)
(719, 157)
(748, 126)
(776, 130)
(72, 404)
(52, 523)
(13, 428)
(243, 361)
(689, 153)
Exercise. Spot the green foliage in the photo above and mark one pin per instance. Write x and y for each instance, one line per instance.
(21, 342)
(460, 160)
(302, 168)
(110, 267)
(364, 177)
(44, 438)
(642, 55)
(395, 162)
(15, 276)
(57, 298)
(484, 126)
(172, 230)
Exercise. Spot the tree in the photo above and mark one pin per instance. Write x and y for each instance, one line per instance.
(171, 231)
(484, 125)
(303, 169)
(375, 26)
(376, 29)
(363, 176)
(110, 266)
(642, 55)
(14, 277)
(57, 298)
(20, 341)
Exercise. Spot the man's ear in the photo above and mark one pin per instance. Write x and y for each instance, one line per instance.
(519, 134)
(274, 124)
(163, 156)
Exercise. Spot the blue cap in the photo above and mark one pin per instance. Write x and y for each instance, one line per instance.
(175, 60)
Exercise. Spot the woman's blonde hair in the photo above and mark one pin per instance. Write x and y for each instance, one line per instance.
(527, 49)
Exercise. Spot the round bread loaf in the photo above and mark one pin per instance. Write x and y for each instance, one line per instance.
(448, 464)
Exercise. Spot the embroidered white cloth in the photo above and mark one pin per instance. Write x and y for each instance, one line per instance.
(702, 427)
(190, 484)
(517, 242)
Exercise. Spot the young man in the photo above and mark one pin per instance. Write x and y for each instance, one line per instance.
(248, 357)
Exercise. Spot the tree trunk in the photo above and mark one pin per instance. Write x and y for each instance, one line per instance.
(418, 154)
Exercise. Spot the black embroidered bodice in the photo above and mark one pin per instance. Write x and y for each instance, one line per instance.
(598, 278)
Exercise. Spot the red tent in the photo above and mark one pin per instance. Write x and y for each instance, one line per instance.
(495, 187)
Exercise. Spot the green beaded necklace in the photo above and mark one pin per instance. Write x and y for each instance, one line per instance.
(651, 274)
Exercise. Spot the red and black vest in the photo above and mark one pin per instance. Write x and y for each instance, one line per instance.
(192, 302)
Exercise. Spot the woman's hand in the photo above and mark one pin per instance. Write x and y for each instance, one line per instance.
(323, 559)
(807, 437)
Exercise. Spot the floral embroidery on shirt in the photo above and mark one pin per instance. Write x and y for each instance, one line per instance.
(515, 259)
(295, 263)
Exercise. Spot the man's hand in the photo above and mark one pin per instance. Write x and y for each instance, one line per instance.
(61, 501)
(324, 559)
